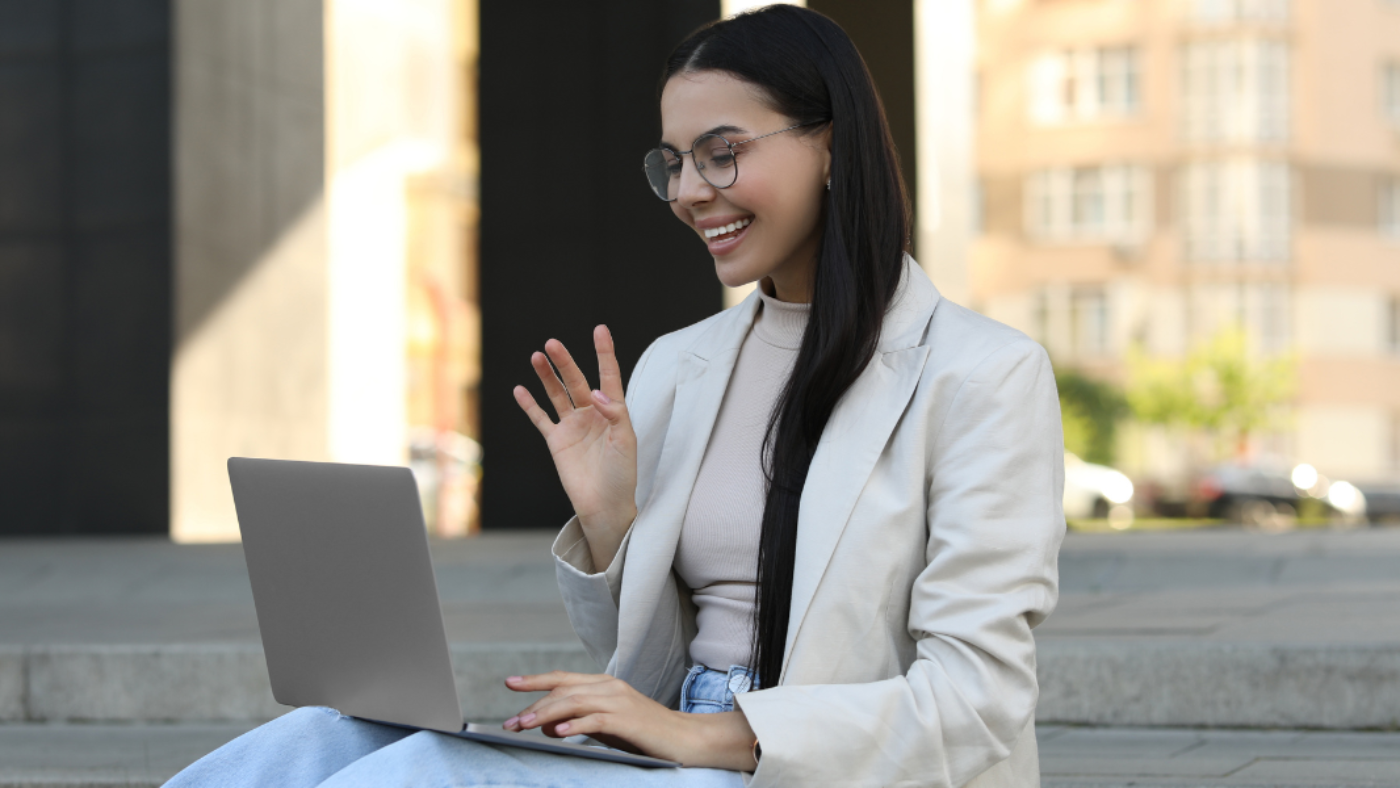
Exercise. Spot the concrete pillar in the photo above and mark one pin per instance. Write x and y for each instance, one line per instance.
(297, 123)
(943, 68)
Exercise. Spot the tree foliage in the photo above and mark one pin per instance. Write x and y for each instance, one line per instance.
(1219, 389)
(1090, 411)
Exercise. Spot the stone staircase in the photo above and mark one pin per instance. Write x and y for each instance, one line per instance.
(121, 661)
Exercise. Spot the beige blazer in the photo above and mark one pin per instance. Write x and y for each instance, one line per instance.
(926, 552)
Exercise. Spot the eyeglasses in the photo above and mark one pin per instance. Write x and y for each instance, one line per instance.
(714, 159)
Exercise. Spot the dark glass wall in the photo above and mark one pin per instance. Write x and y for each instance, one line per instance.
(84, 266)
(883, 31)
(570, 234)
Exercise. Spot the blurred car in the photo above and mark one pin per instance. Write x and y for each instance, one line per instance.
(1270, 495)
(1248, 494)
(1382, 501)
(1096, 491)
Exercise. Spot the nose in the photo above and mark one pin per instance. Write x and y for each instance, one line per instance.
(693, 188)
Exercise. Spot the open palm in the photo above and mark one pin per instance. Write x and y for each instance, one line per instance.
(593, 444)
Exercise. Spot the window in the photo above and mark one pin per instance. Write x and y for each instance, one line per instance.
(1263, 309)
(1089, 321)
(1230, 11)
(1237, 211)
(1390, 92)
(1083, 84)
(1097, 204)
(1392, 326)
(1235, 91)
(1388, 210)
(1270, 317)
(1041, 317)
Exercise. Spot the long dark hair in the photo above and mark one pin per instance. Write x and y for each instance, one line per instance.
(810, 71)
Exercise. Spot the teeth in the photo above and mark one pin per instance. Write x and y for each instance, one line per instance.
(714, 232)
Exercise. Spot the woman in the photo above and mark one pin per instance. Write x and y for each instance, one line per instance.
(827, 517)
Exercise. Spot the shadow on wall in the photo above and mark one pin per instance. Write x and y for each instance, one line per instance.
(249, 371)
(299, 126)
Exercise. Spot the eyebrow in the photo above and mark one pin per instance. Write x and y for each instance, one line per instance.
(725, 129)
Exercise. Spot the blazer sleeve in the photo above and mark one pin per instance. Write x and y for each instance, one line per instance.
(995, 523)
(591, 596)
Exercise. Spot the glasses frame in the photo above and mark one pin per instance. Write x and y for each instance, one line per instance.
(700, 168)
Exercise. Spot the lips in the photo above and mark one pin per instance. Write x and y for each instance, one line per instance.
(724, 244)
(724, 232)
(729, 229)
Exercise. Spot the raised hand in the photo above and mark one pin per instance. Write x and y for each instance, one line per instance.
(593, 444)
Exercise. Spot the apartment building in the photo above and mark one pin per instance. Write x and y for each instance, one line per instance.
(1152, 170)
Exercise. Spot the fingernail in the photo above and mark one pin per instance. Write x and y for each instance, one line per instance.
(601, 397)
(514, 679)
(510, 721)
(561, 727)
(527, 719)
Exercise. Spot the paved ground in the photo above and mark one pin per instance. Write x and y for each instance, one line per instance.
(96, 756)
(1203, 603)
(1231, 586)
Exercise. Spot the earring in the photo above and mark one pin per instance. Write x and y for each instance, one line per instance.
(828, 184)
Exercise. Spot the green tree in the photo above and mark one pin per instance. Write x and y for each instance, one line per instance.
(1090, 411)
(1218, 389)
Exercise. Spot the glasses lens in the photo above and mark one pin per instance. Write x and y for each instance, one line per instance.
(716, 161)
(663, 169)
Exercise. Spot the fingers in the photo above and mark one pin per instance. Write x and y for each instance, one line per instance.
(579, 703)
(561, 685)
(614, 410)
(568, 389)
(586, 725)
(537, 415)
(552, 387)
(573, 377)
(540, 682)
(609, 374)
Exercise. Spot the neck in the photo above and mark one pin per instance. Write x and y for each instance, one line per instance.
(784, 289)
(791, 281)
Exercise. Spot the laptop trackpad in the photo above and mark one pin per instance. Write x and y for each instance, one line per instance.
(495, 735)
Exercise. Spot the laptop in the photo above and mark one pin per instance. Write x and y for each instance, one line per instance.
(347, 602)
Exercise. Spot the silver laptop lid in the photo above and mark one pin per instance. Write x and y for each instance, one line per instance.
(344, 588)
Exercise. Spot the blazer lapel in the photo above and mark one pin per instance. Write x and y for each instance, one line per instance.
(854, 438)
(703, 372)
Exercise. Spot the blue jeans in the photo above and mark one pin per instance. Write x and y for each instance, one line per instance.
(706, 691)
(316, 746)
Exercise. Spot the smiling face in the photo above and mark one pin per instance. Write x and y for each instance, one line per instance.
(779, 191)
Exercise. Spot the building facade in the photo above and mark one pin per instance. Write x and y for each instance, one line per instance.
(1151, 171)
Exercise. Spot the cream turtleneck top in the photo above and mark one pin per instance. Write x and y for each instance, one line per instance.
(718, 552)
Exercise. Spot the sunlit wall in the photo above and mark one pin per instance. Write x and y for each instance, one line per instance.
(320, 188)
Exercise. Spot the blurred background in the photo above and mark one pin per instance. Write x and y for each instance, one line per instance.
(336, 230)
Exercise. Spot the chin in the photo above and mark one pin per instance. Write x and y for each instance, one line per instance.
(735, 274)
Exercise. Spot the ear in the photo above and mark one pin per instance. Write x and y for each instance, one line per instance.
(822, 140)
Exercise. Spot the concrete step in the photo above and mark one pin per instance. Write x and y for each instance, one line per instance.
(66, 755)
(1108, 682)
(1219, 684)
(104, 756)
(224, 682)
(1176, 757)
